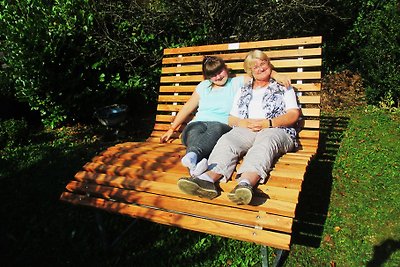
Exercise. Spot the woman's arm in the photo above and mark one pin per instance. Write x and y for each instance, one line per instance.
(280, 78)
(234, 121)
(186, 110)
(285, 120)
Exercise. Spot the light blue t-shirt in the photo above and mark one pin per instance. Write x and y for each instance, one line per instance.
(216, 103)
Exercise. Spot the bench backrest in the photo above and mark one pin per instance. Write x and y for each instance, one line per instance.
(299, 58)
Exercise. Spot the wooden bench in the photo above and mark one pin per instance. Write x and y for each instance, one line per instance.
(139, 179)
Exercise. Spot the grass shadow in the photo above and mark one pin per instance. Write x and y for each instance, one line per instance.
(383, 252)
(314, 198)
(38, 228)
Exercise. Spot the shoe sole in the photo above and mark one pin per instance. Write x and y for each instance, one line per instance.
(241, 196)
(191, 188)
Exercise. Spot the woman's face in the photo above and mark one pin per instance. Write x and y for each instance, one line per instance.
(261, 70)
(220, 78)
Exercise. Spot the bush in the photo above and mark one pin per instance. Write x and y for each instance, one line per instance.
(13, 132)
(44, 47)
(374, 41)
(67, 58)
(342, 90)
(131, 37)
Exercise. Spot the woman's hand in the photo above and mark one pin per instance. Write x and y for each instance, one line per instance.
(254, 125)
(257, 125)
(166, 136)
(185, 111)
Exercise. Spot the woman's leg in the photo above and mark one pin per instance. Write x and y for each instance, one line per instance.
(200, 137)
(228, 150)
(222, 162)
(268, 144)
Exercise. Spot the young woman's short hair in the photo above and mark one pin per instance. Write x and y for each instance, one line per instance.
(212, 66)
(251, 57)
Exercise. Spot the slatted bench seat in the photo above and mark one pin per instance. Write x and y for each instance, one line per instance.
(139, 179)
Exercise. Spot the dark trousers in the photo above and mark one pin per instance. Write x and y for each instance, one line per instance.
(200, 137)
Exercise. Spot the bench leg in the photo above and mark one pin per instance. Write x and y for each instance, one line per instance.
(264, 256)
(100, 226)
(280, 257)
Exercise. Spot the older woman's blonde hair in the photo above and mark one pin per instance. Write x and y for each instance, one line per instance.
(251, 57)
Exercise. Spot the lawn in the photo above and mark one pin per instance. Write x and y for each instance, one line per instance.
(348, 213)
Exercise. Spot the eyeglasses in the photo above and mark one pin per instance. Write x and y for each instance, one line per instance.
(264, 64)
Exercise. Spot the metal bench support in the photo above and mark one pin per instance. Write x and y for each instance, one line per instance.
(106, 244)
(280, 257)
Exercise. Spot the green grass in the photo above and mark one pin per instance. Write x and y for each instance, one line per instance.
(362, 227)
(348, 212)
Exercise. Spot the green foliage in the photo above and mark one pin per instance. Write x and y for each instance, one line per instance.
(375, 49)
(67, 58)
(43, 51)
(131, 38)
(13, 132)
(247, 20)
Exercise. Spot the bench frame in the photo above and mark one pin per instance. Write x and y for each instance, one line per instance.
(138, 179)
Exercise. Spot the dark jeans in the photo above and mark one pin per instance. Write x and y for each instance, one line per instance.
(200, 137)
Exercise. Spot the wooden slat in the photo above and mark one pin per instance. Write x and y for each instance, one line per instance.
(151, 180)
(302, 134)
(314, 99)
(234, 214)
(156, 184)
(314, 124)
(315, 75)
(263, 237)
(110, 177)
(309, 134)
(287, 63)
(308, 112)
(302, 41)
(169, 118)
(177, 89)
(305, 87)
(306, 52)
(311, 112)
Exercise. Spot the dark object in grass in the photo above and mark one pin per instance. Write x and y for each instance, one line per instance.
(112, 116)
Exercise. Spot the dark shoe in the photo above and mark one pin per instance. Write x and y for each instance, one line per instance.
(197, 187)
(242, 194)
